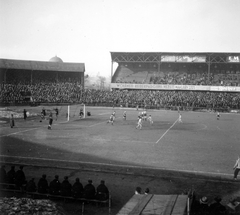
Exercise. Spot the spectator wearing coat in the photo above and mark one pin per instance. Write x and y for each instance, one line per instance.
(66, 187)
(77, 189)
(102, 191)
(55, 186)
(43, 184)
(89, 190)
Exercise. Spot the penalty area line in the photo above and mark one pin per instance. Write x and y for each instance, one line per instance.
(166, 131)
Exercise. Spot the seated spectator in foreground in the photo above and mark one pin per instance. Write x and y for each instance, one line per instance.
(217, 208)
(102, 191)
(20, 178)
(11, 175)
(77, 189)
(43, 184)
(66, 187)
(138, 190)
(31, 186)
(147, 191)
(3, 174)
(55, 186)
(89, 190)
(201, 207)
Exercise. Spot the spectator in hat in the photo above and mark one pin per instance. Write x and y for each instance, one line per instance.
(20, 178)
(43, 184)
(55, 186)
(138, 190)
(77, 189)
(102, 191)
(3, 174)
(66, 187)
(147, 191)
(201, 207)
(89, 190)
(11, 174)
(217, 208)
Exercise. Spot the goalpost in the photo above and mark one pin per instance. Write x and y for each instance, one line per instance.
(77, 111)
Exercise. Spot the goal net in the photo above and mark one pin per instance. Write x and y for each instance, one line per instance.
(77, 111)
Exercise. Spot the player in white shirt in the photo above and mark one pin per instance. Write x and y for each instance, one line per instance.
(150, 119)
(144, 113)
(114, 115)
(236, 168)
(124, 115)
(139, 123)
(180, 118)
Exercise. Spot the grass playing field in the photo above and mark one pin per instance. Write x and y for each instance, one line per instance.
(200, 144)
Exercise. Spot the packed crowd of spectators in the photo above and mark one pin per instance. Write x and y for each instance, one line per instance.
(179, 76)
(71, 92)
(198, 78)
(65, 87)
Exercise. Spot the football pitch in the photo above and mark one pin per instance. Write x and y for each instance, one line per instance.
(200, 144)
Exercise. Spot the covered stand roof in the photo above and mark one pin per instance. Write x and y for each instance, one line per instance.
(55, 64)
(194, 57)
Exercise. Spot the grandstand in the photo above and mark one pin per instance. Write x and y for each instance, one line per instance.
(212, 71)
(22, 81)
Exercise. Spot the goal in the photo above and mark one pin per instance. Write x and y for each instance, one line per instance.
(77, 111)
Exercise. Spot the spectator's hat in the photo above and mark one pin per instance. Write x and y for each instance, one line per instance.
(102, 181)
(90, 181)
(204, 200)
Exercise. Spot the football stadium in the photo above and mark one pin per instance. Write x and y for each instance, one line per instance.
(165, 134)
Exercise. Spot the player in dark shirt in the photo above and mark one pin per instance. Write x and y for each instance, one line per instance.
(24, 114)
(57, 112)
(50, 121)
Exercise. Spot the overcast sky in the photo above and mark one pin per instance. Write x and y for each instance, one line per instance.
(86, 31)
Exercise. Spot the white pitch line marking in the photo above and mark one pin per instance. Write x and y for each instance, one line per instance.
(118, 165)
(167, 130)
(5, 135)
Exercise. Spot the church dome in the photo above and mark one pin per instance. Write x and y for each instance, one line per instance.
(56, 59)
